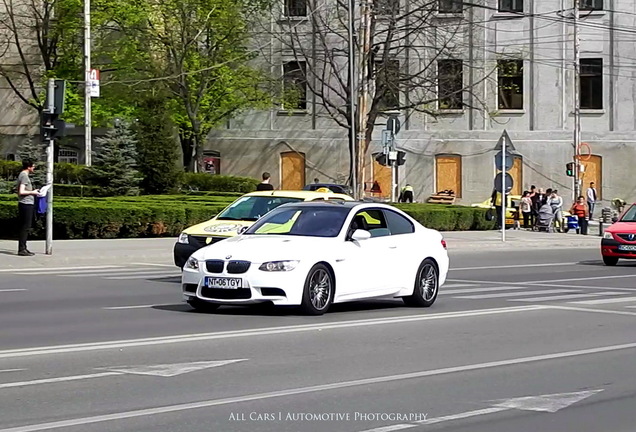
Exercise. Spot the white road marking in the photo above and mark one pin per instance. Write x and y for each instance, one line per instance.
(157, 265)
(117, 272)
(514, 294)
(631, 307)
(313, 389)
(477, 289)
(80, 273)
(13, 290)
(534, 284)
(454, 285)
(49, 269)
(580, 309)
(564, 297)
(59, 349)
(58, 380)
(513, 266)
(128, 307)
(171, 370)
(585, 278)
(462, 415)
(154, 275)
(606, 301)
(12, 370)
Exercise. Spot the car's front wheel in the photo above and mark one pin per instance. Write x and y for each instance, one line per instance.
(202, 306)
(319, 290)
(426, 285)
(610, 261)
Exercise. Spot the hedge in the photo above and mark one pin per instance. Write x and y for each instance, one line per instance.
(157, 216)
(221, 183)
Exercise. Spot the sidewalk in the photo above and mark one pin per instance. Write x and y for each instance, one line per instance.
(69, 253)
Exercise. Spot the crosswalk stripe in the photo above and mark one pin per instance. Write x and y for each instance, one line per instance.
(477, 289)
(631, 307)
(516, 294)
(118, 272)
(453, 285)
(154, 275)
(563, 297)
(606, 301)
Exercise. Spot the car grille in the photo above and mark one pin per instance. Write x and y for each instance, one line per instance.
(226, 294)
(202, 241)
(237, 267)
(627, 237)
(214, 266)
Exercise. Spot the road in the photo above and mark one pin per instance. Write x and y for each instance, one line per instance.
(518, 341)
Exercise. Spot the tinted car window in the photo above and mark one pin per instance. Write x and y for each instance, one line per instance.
(398, 224)
(301, 221)
(630, 215)
(251, 208)
(372, 221)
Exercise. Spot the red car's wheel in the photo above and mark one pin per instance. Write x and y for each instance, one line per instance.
(610, 261)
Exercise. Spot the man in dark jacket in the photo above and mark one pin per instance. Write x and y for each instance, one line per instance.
(265, 185)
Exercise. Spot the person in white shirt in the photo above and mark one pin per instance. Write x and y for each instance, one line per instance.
(526, 209)
(556, 202)
(592, 196)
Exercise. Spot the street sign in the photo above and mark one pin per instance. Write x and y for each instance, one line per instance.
(386, 138)
(509, 145)
(94, 82)
(393, 124)
(509, 183)
(509, 160)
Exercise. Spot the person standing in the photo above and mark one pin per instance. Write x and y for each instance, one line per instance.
(26, 206)
(556, 202)
(526, 209)
(591, 198)
(496, 201)
(265, 185)
(580, 210)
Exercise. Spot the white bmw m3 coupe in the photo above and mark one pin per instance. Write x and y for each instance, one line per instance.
(313, 254)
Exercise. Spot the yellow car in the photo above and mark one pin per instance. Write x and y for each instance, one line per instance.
(238, 216)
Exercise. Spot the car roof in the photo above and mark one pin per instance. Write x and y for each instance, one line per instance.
(346, 204)
(302, 194)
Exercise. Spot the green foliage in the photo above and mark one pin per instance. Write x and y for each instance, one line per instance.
(115, 162)
(209, 182)
(9, 170)
(156, 147)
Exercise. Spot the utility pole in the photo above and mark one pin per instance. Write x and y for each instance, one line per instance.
(577, 103)
(352, 100)
(87, 84)
(363, 87)
(50, 155)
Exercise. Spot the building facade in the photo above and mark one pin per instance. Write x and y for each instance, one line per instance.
(512, 64)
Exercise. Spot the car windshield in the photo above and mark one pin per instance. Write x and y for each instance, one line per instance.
(302, 221)
(251, 208)
(630, 215)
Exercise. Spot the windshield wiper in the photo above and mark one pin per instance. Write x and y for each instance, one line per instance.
(228, 218)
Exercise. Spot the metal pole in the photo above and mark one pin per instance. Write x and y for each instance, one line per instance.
(352, 101)
(577, 102)
(504, 145)
(393, 171)
(363, 84)
(50, 106)
(87, 83)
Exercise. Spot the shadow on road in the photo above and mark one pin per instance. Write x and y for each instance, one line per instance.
(167, 279)
(599, 263)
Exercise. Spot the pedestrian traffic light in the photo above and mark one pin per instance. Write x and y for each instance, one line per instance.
(51, 127)
(400, 159)
(382, 159)
(569, 169)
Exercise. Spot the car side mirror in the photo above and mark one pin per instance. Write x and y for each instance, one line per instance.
(241, 230)
(360, 235)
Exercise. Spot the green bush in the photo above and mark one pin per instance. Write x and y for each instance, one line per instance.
(220, 183)
(9, 170)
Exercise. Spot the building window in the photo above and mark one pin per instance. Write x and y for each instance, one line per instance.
(510, 6)
(450, 6)
(448, 173)
(296, 8)
(386, 7)
(588, 5)
(510, 84)
(295, 85)
(450, 84)
(387, 76)
(67, 156)
(591, 83)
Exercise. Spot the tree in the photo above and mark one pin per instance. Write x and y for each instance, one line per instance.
(115, 162)
(199, 52)
(156, 146)
(397, 70)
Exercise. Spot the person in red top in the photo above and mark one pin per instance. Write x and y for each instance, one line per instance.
(580, 210)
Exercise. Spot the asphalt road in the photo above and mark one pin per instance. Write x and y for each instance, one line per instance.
(517, 341)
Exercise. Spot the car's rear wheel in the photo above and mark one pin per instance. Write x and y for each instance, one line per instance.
(610, 261)
(426, 285)
(319, 290)
(203, 306)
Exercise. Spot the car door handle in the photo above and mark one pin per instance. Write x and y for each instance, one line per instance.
(392, 247)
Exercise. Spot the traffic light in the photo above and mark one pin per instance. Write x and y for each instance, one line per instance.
(51, 126)
(400, 160)
(569, 169)
(382, 159)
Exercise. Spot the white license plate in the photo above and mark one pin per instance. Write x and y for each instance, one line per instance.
(627, 247)
(223, 282)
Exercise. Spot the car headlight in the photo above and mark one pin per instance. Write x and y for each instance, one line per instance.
(608, 235)
(273, 266)
(192, 263)
(183, 238)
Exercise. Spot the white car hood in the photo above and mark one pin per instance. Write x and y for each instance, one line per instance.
(263, 248)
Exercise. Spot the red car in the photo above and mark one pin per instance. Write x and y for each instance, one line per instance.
(619, 239)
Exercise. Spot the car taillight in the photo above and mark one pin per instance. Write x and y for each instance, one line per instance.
(444, 243)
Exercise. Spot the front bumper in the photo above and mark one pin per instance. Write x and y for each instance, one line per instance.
(280, 288)
(609, 248)
(182, 251)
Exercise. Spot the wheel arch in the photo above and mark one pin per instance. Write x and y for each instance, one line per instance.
(333, 276)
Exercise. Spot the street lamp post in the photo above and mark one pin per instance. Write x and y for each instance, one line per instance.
(87, 83)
